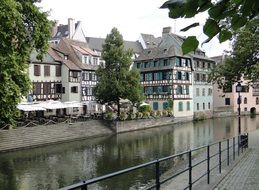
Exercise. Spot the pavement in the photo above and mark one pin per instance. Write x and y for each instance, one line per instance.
(241, 174)
(245, 175)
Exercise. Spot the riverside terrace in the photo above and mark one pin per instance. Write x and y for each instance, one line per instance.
(197, 164)
(33, 113)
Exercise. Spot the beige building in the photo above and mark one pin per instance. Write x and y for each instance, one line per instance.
(225, 100)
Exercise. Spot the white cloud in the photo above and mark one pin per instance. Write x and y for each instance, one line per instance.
(130, 17)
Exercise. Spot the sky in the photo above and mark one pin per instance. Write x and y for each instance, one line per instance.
(131, 17)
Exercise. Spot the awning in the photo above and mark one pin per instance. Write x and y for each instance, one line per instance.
(73, 104)
(51, 105)
(30, 107)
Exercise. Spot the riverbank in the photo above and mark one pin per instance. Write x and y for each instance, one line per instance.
(31, 137)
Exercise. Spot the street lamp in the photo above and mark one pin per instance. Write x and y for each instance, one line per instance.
(238, 90)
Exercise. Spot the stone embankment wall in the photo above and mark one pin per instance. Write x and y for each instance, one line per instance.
(140, 124)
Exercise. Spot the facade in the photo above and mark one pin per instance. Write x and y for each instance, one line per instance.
(202, 89)
(166, 75)
(88, 62)
(226, 99)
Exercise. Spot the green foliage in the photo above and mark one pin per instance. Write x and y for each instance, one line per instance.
(139, 115)
(109, 116)
(144, 108)
(123, 116)
(116, 81)
(146, 114)
(243, 60)
(23, 27)
(132, 116)
(224, 15)
(190, 44)
(170, 104)
(153, 113)
(159, 113)
(165, 113)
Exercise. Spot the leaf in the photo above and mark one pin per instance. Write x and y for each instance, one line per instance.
(190, 26)
(216, 11)
(238, 21)
(224, 35)
(176, 10)
(211, 28)
(190, 44)
(204, 5)
(190, 8)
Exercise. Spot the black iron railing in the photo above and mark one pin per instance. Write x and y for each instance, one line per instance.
(223, 146)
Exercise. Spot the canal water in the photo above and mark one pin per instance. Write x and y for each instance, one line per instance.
(56, 166)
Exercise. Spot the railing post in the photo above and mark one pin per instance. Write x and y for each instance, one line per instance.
(228, 152)
(157, 175)
(233, 148)
(238, 144)
(190, 169)
(219, 157)
(208, 164)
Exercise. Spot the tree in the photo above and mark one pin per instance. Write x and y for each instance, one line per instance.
(244, 59)
(23, 27)
(225, 17)
(115, 80)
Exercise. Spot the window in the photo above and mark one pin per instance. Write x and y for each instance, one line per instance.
(138, 65)
(74, 74)
(257, 101)
(187, 90)
(155, 105)
(188, 106)
(245, 100)
(36, 70)
(227, 89)
(209, 91)
(58, 71)
(227, 101)
(93, 77)
(46, 70)
(58, 88)
(165, 105)
(203, 65)
(95, 60)
(197, 77)
(74, 89)
(178, 62)
(197, 64)
(141, 77)
(203, 106)
(245, 109)
(166, 62)
(180, 106)
(85, 59)
(36, 88)
(187, 77)
(208, 65)
(198, 106)
(179, 75)
(148, 76)
(197, 92)
(46, 88)
(146, 65)
(179, 90)
(203, 92)
(209, 105)
(203, 77)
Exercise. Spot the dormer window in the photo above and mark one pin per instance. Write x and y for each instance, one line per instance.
(149, 52)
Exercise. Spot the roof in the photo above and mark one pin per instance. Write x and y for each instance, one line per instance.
(97, 44)
(150, 40)
(62, 31)
(158, 52)
(69, 47)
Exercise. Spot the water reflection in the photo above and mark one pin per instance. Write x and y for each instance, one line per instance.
(56, 166)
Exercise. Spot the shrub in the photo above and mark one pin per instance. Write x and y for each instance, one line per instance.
(123, 116)
(146, 114)
(144, 108)
(132, 116)
(139, 115)
(159, 113)
(153, 113)
(170, 113)
(109, 116)
(165, 113)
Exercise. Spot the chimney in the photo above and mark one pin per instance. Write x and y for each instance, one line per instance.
(54, 29)
(166, 30)
(71, 28)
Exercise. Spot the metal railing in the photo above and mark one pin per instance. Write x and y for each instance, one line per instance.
(220, 147)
